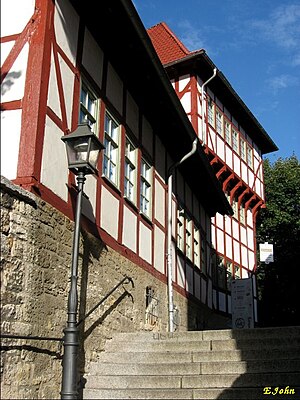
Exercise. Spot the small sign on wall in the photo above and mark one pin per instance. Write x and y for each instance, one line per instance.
(266, 254)
(242, 304)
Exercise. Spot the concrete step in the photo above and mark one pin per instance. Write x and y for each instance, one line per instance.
(196, 368)
(205, 381)
(137, 394)
(196, 394)
(202, 356)
(202, 345)
(280, 332)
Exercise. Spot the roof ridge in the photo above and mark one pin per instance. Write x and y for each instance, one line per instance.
(175, 38)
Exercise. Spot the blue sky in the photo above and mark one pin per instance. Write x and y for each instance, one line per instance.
(256, 44)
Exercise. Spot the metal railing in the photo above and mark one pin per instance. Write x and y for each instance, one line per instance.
(126, 278)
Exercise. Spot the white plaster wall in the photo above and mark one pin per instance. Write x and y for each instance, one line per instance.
(250, 238)
(203, 290)
(21, 12)
(186, 102)
(180, 271)
(222, 302)
(12, 87)
(53, 96)
(189, 278)
(160, 158)
(251, 259)
(89, 205)
(236, 252)
(54, 173)
(220, 148)
(244, 256)
(66, 23)
(213, 236)
(183, 81)
(188, 198)
(220, 241)
(129, 229)
(159, 249)
(220, 221)
(213, 138)
(92, 58)
(114, 88)
(228, 154)
(5, 48)
(196, 211)
(236, 165)
(68, 88)
(132, 115)
(243, 235)
(228, 225)
(250, 178)
(10, 141)
(109, 219)
(249, 218)
(235, 230)
(197, 286)
(228, 246)
(159, 211)
(147, 136)
(145, 243)
(244, 173)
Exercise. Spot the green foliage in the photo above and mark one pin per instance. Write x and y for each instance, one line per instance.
(279, 223)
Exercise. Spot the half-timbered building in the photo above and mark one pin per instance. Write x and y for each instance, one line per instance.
(63, 65)
(234, 142)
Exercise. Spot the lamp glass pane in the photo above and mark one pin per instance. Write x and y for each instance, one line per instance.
(94, 154)
(78, 150)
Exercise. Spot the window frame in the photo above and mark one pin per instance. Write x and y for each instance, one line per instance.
(92, 118)
(146, 182)
(113, 145)
(130, 166)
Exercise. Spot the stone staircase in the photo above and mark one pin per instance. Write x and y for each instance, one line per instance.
(262, 363)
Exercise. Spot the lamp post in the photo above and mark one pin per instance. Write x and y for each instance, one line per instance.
(83, 149)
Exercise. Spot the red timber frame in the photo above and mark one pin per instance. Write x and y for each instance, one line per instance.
(227, 177)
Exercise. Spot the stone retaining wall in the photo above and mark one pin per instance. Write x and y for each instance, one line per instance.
(36, 245)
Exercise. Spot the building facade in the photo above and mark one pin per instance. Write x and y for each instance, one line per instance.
(234, 142)
(59, 69)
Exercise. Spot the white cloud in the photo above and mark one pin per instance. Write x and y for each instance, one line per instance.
(191, 37)
(282, 27)
(283, 81)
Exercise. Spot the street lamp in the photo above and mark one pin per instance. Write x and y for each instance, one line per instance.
(83, 149)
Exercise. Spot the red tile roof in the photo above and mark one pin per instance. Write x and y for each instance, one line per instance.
(168, 47)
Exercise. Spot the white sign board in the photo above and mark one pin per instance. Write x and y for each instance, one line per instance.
(242, 304)
(266, 253)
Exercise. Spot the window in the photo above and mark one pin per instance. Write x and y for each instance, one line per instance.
(210, 113)
(219, 123)
(249, 156)
(227, 132)
(243, 149)
(196, 247)
(221, 273)
(235, 140)
(188, 238)
(237, 272)
(145, 194)
(202, 253)
(235, 208)
(111, 152)
(130, 171)
(180, 228)
(88, 107)
(242, 213)
(228, 275)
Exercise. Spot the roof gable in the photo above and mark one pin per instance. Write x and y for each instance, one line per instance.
(168, 47)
